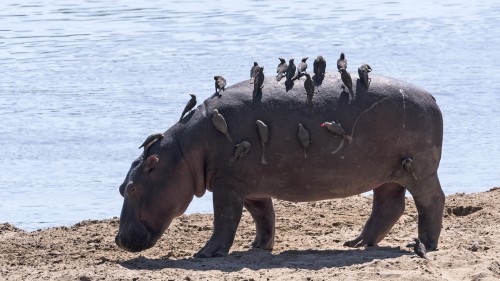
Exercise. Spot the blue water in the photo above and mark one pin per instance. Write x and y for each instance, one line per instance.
(83, 82)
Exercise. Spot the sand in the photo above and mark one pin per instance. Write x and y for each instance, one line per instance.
(308, 246)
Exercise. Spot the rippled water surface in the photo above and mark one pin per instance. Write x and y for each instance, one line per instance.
(83, 82)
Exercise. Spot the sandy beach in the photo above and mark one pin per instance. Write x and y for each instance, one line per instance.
(308, 246)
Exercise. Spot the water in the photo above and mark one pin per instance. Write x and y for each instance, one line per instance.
(83, 83)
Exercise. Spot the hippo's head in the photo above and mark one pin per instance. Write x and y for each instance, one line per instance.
(158, 187)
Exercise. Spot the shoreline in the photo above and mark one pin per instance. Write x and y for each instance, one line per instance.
(307, 245)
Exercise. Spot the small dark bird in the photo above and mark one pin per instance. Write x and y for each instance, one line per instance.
(408, 166)
(149, 141)
(290, 71)
(319, 66)
(346, 79)
(191, 103)
(220, 84)
(281, 69)
(342, 62)
(301, 68)
(254, 71)
(241, 150)
(309, 86)
(220, 124)
(363, 71)
(337, 129)
(419, 249)
(264, 139)
(304, 138)
(259, 82)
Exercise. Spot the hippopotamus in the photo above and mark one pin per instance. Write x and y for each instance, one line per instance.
(396, 132)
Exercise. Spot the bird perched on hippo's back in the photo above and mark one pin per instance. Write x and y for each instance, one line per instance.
(254, 71)
(259, 82)
(290, 71)
(319, 69)
(347, 80)
(336, 128)
(191, 103)
(241, 151)
(220, 84)
(363, 71)
(281, 69)
(264, 138)
(342, 62)
(290, 74)
(304, 138)
(220, 124)
(309, 87)
(150, 140)
(301, 69)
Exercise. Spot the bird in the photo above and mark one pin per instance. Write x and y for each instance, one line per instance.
(241, 150)
(309, 86)
(346, 79)
(301, 69)
(304, 138)
(281, 69)
(259, 82)
(220, 84)
(149, 141)
(419, 249)
(191, 103)
(337, 129)
(264, 138)
(342, 62)
(407, 164)
(363, 71)
(254, 71)
(220, 124)
(319, 66)
(290, 71)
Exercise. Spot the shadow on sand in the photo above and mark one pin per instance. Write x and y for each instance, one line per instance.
(255, 259)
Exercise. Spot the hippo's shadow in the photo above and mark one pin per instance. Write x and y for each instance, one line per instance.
(255, 259)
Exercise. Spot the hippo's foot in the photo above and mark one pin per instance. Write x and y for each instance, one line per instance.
(358, 242)
(388, 206)
(210, 251)
(262, 212)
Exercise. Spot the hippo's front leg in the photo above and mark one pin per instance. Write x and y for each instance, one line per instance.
(228, 207)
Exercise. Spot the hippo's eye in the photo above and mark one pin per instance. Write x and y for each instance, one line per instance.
(132, 190)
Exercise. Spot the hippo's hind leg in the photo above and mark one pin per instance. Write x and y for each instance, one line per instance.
(262, 212)
(388, 206)
(228, 208)
(429, 200)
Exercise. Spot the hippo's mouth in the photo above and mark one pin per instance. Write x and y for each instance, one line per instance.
(136, 238)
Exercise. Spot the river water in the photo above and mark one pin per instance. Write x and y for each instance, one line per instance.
(84, 82)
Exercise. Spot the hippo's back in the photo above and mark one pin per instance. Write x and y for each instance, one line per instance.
(388, 121)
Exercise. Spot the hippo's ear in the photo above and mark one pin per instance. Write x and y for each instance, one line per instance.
(151, 163)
